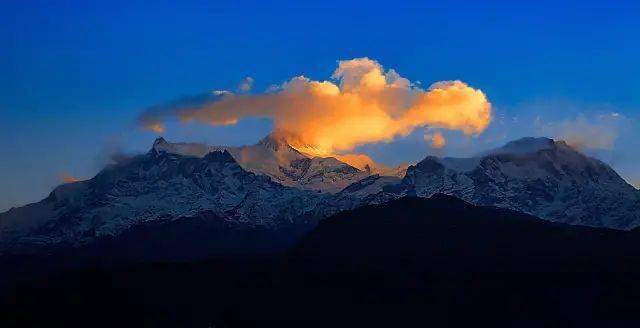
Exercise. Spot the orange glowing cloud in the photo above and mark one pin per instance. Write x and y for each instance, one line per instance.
(361, 161)
(363, 104)
(67, 178)
(155, 127)
(437, 140)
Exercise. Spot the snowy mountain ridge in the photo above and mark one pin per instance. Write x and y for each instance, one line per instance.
(157, 186)
(538, 176)
(274, 157)
(279, 187)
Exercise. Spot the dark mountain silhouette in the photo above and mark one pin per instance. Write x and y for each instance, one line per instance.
(410, 261)
(444, 233)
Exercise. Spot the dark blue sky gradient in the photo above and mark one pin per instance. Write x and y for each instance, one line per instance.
(75, 75)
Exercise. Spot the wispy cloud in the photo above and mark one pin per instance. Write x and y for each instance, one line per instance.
(597, 133)
(246, 84)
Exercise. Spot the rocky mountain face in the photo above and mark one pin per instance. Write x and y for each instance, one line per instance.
(159, 185)
(269, 185)
(274, 157)
(538, 176)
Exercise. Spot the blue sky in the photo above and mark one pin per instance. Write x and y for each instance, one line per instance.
(75, 75)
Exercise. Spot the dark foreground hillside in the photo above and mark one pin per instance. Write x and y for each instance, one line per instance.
(408, 262)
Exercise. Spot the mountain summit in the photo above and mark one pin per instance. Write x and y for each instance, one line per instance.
(161, 185)
(274, 157)
(539, 176)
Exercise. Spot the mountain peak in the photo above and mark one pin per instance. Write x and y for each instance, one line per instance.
(160, 144)
(274, 141)
(523, 146)
(160, 141)
(222, 156)
(531, 141)
(541, 176)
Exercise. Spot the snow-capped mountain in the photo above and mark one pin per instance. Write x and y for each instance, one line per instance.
(269, 184)
(278, 187)
(274, 157)
(159, 185)
(538, 176)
